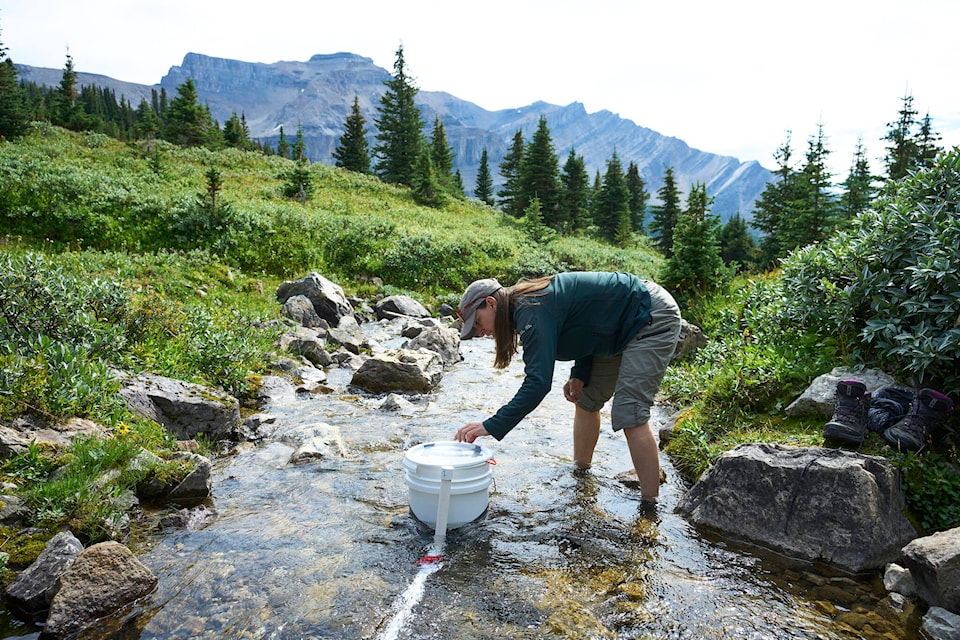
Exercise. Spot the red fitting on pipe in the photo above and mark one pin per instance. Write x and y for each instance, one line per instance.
(429, 560)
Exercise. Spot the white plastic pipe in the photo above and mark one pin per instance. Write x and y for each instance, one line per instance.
(443, 509)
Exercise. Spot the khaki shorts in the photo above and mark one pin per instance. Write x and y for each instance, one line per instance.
(633, 377)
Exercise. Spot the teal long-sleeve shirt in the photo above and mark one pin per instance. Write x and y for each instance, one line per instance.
(578, 316)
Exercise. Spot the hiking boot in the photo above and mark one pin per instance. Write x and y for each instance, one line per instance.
(888, 405)
(849, 422)
(928, 409)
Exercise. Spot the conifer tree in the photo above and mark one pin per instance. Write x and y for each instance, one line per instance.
(483, 190)
(737, 247)
(69, 113)
(612, 214)
(399, 127)
(638, 197)
(13, 110)
(695, 265)
(664, 216)
(595, 197)
(187, 122)
(533, 225)
(575, 192)
(540, 173)
(858, 188)
(299, 149)
(902, 154)
(235, 132)
(511, 196)
(815, 214)
(353, 153)
(927, 148)
(440, 151)
(147, 121)
(283, 146)
(427, 188)
(776, 208)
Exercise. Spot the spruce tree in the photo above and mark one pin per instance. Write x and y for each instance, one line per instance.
(612, 213)
(694, 266)
(13, 110)
(399, 127)
(235, 133)
(353, 153)
(575, 192)
(187, 122)
(902, 153)
(664, 216)
(815, 213)
(540, 174)
(283, 146)
(440, 151)
(776, 208)
(638, 197)
(737, 247)
(858, 188)
(511, 196)
(426, 186)
(69, 111)
(484, 187)
(927, 148)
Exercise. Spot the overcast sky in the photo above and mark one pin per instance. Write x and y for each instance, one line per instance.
(727, 77)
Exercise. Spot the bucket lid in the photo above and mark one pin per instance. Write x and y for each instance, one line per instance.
(448, 454)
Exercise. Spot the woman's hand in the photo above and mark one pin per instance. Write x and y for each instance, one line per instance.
(572, 389)
(470, 432)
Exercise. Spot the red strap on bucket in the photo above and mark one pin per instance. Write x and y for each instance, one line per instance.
(492, 461)
(429, 560)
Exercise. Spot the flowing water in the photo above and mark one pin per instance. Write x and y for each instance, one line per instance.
(330, 550)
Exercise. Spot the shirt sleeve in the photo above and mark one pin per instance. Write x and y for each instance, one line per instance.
(581, 369)
(539, 353)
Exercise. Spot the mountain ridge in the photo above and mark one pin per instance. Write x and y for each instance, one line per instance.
(317, 95)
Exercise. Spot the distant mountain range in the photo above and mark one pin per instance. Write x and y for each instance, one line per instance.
(318, 95)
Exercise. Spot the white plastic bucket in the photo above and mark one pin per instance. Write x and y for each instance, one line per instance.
(467, 467)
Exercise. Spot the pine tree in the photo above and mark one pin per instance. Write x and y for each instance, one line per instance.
(299, 149)
(69, 112)
(427, 188)
(440, 152)
(858, 189)
(353, 153)
(927, 139)
(235, 133)
(815, 214)
(638, 197)
(539, 175)
(147, 121)
(484, 188)
(283, 146)
(774, 212)
(612, 214)
(902, 154)
(13, 109)
(511, 196)
(187, 122)
(575, 192)
(695, 265)
(665, 215)
(738, 249)
(400, 128)
(533, 225)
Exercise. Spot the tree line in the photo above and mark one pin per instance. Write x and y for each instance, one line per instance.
(800, 206)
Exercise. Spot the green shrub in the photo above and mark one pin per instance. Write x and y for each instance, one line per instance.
(890, 285)
(932, 488)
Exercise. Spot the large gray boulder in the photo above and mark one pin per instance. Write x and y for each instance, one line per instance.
(401, 370)
(33, 589)
(825, 505)
(185, 409)
(395, 306)
(934, 563)
(328, 298)
(104, 578)
(442, 341)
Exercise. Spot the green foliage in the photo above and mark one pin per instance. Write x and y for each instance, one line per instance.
(399, 127)
(932, 487)
(694, 266)
(483, 190)
(891, 285)
(353, 153)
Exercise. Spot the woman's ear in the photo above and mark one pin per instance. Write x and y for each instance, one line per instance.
(492, 303)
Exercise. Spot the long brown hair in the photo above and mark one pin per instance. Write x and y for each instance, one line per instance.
(504, 331)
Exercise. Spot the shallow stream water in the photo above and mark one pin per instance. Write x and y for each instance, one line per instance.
(330, 550)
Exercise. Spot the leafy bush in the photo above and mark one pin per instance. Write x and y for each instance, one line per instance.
(890, 285)
(932, 488)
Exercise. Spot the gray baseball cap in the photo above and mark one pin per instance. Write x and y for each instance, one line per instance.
(471, 299)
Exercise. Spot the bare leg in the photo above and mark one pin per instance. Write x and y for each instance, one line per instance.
(646, 459)
(586, 432)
